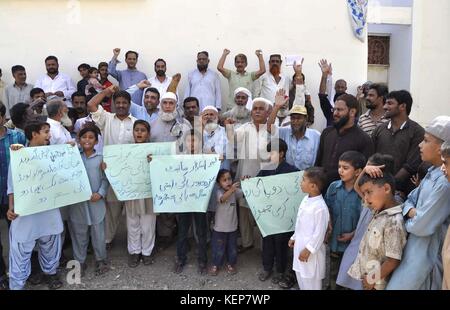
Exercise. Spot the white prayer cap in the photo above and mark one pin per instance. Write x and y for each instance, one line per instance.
(259, 99)
(210, 107)
(170, 96)
(242, 90)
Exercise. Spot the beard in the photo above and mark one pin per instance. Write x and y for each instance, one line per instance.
(52, 71)
(202, 67)
(302, 128)
(342, 122)
(211, 126)
(275, 70)
(80, 110)
(370, 105)
(160, 72)
(167, 116)
(337, 95)
(240, 111)
(283, 113)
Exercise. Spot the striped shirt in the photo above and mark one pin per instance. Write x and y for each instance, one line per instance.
(368, 124)
(11, 137)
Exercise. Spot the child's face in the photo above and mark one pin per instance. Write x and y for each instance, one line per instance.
(347, 172)
(141, 134)
(84, 72)
(225, 181)
(375, 195)
(306, 185)
(42, 137)
(94, 74)
(88, 141)
(276, 157)
(429, 148)
(446, 167)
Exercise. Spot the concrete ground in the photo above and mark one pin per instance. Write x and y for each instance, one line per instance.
(159, 276)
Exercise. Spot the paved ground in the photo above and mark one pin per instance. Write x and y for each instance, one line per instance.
(159, 275)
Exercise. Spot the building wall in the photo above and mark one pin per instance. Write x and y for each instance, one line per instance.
(430, 61)
(87, 31)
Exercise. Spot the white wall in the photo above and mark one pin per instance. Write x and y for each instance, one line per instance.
(176, 30)
(430, 59)
(400, 52)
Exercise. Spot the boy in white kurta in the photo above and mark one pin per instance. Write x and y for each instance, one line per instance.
(310, 229)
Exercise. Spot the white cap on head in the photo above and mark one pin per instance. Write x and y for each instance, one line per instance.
(259, 99)
(170, 96)
(210, 107)
(242, 90)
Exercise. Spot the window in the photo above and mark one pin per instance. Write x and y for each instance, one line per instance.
(378, 50)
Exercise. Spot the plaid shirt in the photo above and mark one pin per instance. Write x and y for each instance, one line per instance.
(11, 137)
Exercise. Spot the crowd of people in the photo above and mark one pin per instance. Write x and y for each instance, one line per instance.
(377, 184)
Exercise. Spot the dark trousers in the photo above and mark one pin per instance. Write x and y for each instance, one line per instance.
(275, 248)
(2, 262)
(3, 210)
(335, 263)
(184, 223)
(224, 244)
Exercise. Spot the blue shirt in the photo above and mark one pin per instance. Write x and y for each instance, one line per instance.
(345, 209)
(127, 78)
(421, 265)
(11, 137)
(87, 212)
(302, 152)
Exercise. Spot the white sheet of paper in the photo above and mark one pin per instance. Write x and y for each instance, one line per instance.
(290, 59)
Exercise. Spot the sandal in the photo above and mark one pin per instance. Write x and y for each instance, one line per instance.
(213, 271)
(53, 281)
(101, 267)
(231, 269)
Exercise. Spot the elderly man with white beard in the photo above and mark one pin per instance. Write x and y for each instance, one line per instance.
(241, 113)
(214, 136)
(168, 127)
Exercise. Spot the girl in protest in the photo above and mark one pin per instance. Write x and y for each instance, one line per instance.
(224, 234)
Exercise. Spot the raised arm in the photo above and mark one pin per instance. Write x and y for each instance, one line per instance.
(92, 105)
(113, 64)
(220, 66)
(300, 89)
(262, 65)
(326, 70)
(174, 83)
(280, 101)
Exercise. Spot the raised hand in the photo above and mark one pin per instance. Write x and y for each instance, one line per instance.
(144, 84)
(325, 67)
(258, 52)
(280, 99)
(298, 67)
(177, 77)
(116, 52)
(226, 52)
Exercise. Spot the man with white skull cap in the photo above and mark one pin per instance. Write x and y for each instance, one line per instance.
(240, 113)
(168, 127)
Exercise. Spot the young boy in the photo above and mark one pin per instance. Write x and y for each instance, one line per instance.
(43, 229)
(274, 246)
(381, 248)
(310, 229)
(344, 204)
(7, 138)
(445, 154)
(88, 217)
(427, 210)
